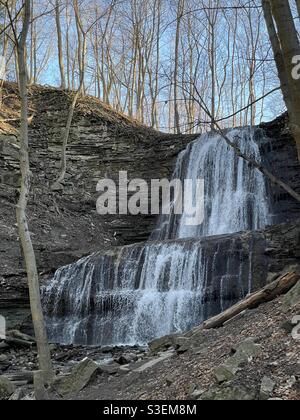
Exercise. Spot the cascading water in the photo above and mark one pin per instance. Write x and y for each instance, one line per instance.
(235, 195)
(170, 283)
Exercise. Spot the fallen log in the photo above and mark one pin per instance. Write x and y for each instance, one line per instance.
(270, 292)
(17, 342)
(15, 338)
(21, 377)
(20, 336)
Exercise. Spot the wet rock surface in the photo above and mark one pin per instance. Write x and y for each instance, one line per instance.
(279, 156)
(228, 267)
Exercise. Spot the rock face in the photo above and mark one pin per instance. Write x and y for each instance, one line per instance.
(280, 158)
(65, 225)
(120, 297)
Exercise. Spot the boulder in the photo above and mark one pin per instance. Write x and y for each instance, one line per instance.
(77, 380)
(194, 396)
(266, 389)
(292, 297)
(182, 344)
(124, 369)
(111, 369)
(247, 349)
(4, 346)
(244, 352)
(225, 373)
(106, 362)
(287, 326)
(161, 344)
(3, 358)
(4, 362)
(6, 388)
(126, 359)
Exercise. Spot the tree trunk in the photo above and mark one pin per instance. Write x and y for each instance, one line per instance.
(59, 45)
(63, 165)
(276, 50)
(81, 46)
(176, 66)
(29, 255)
(65, 140)
(267, 294)
(290, 46)
(298, 7)
(213, 74)
(68, 45)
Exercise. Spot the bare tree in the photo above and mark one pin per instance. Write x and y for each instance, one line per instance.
(82, 39)
(29, 255)
(286, 46)
(82, 34)
(180, 11)
(60, 44)
(222, 50)
(298, 7)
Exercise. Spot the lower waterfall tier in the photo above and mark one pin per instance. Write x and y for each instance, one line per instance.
(134, 294)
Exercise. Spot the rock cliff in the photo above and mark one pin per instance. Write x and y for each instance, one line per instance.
(65, 225)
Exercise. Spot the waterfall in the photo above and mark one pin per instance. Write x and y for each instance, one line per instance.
(183, 274)
(235, 195)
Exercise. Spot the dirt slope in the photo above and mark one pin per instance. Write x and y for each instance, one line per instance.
(179, 376)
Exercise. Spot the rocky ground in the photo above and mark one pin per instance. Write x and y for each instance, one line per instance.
(256, 355)
(191, 374)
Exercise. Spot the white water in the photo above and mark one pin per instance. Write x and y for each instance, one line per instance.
(235, 195)
(150, 290)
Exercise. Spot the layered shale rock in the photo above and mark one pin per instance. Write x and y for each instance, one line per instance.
(65, 225)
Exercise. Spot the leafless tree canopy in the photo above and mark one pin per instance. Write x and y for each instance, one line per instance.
(149, 59)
